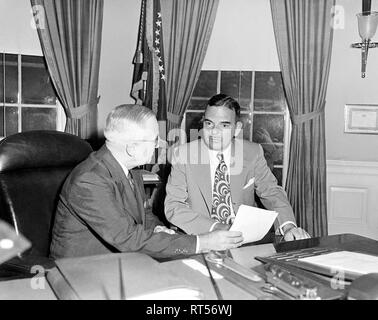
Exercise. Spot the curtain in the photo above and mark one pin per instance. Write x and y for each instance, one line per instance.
(303, 35)
(189, 26)
(70, 36)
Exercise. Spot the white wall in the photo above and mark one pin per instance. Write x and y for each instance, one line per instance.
(243, 37)
(346, 86)
(16, 32)
(119, 38)
(352, 197)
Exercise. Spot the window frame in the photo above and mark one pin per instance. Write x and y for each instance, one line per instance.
(252, 112)
(60, 115)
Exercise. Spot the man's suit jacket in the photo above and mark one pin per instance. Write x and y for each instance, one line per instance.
(189, 191)
(98, 212)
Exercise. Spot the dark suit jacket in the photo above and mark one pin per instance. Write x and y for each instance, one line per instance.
(189, 192)
(98, 213)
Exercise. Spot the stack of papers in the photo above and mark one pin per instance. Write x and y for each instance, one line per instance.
(253, 222)
(347, 261)
(150, 177)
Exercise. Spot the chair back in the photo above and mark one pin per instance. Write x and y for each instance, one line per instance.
(33, 167)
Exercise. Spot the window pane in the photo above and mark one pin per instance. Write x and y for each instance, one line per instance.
(1, 121)
(273, 154)
(11, 80)
(230, 83)
(245, 90)
(237, 84)
(197, 104)
(11, 121)
(278, 174)
(269, 92)
(38, 119)
(206, 85)
(1, 79)
(268, 128)
(36, 84)
(193, 125)
(245, 118)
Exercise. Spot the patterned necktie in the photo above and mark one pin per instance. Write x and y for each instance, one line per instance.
(221, 206)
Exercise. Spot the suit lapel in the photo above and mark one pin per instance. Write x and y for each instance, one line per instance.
(129, 199)
(202, 174)
(139, 192)
(238, 172)
(201, 170)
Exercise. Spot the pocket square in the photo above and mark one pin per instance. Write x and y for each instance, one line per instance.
(249, 183)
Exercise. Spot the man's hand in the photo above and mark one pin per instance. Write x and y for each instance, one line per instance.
(220, 240)
(221, 226)
(295, 233)
(164, 229)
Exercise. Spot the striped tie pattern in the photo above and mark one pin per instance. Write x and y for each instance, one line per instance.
(221, 204)
(131, 181)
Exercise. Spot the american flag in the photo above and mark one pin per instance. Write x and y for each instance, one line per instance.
(149, 72)
(158, 39)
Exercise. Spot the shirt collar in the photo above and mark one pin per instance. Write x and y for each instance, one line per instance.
(226, 154)
(125, 170)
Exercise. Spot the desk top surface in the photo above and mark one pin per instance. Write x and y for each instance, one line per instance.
(38, 288)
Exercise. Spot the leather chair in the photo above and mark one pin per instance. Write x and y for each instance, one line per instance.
(33, 167)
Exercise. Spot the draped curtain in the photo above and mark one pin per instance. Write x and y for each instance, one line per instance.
(303, 35)
(70, 36)
(189, 25)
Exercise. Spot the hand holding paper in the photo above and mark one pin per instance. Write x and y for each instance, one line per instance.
(253, 222)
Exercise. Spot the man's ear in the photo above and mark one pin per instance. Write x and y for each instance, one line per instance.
(130, 149)
(238, 128)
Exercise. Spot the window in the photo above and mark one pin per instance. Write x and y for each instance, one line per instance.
(263, 110)
(27, 97)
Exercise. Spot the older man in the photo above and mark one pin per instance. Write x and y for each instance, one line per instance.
(101, 207)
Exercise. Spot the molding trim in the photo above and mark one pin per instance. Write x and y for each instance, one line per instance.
(351, 197)
(352, 167)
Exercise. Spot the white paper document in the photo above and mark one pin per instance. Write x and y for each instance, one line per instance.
(253, 222)
(347, 261)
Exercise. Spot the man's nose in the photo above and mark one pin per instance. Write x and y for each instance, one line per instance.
(215, 131)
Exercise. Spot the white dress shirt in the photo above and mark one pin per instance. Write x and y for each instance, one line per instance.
(125, 170)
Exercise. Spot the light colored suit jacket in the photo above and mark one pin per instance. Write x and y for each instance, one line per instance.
(189, 191)
(99, 213)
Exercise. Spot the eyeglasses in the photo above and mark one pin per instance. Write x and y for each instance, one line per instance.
(155, 141)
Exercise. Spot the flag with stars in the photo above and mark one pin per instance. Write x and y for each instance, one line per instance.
(161, 103)
(149, 71)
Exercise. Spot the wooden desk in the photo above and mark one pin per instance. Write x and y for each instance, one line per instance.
(25, 289)
(347, 241)
(22, 288)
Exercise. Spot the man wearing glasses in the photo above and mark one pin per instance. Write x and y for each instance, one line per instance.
(211, 177)
(101, 206)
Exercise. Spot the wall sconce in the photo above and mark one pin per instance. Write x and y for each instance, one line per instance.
(367, 26)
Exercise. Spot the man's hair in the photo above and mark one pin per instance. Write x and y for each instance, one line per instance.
(119, 119)
(223, 100)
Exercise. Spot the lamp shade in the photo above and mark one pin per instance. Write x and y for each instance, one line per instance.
(367, 25)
